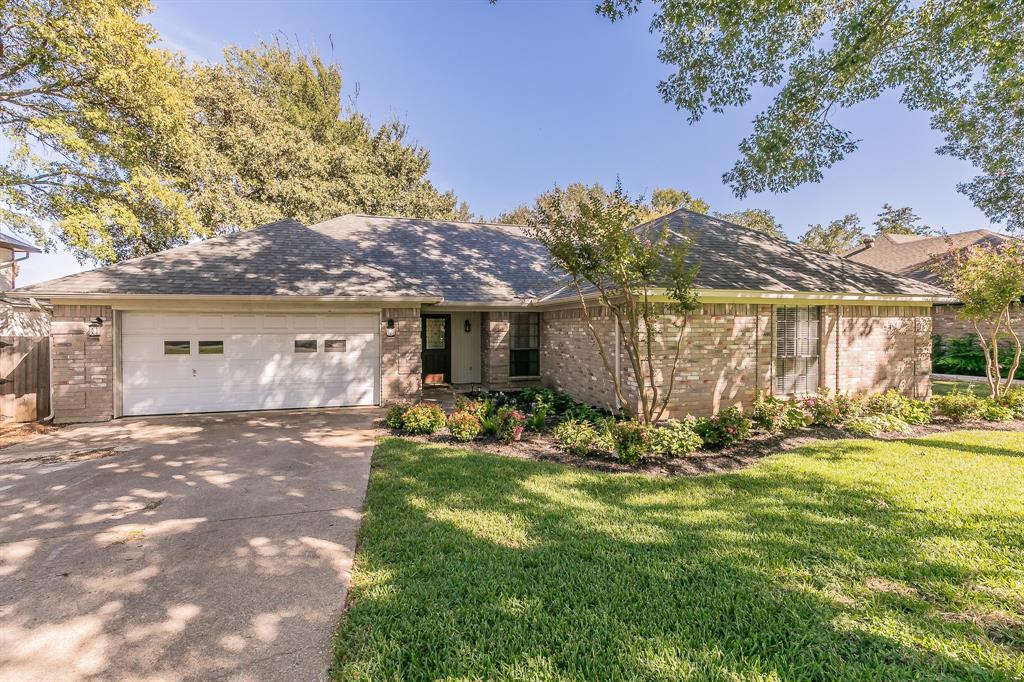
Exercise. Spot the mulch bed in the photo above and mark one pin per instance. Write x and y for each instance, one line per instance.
(542, 447)
(12, 434)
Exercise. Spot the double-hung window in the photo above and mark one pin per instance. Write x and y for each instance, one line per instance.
(796, 349)
(524, 345)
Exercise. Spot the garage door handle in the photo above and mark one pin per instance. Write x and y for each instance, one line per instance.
(193, 372)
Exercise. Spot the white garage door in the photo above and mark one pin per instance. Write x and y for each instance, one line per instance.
(210, 362)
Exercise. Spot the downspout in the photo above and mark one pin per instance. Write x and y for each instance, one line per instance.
(839, 328)
(618, 372)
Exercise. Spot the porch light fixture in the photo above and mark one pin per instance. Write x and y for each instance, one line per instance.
(390, 327)
(94, 326)
(468, 327)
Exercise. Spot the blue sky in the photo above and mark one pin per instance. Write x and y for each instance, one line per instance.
(514, 97)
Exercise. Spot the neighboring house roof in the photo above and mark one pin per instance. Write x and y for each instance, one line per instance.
(7, 241)
(278, 259)
(735, 258)
(914, 255)
(374, 257)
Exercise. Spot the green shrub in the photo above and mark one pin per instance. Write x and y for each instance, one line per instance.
(992, 411)
(464, 426)
(585, 413)
(876, 424)
(510, 424)
(675, 438)
(632, 440)
(1014, 399)
(776, 415)
(725, 428)
(423, 418)
(895, 404)
(479, 407)
(538, 419)
(395, 415)
(958, 406)
(964, 355)
(576, 437)
(830, 409)
(489, 425)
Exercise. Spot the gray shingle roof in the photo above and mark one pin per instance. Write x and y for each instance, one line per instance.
(368, 256)
(459, 261)
(731, 257)
(281, 258)
(914, 255)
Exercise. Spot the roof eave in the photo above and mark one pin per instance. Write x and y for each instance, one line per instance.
(221, 297)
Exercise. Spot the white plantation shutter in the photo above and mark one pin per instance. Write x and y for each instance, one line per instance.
(796, 349)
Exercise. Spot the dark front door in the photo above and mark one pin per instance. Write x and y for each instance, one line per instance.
(437, 348)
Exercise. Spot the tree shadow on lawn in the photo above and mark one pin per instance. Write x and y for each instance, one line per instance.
(474, 565)
(950, 443)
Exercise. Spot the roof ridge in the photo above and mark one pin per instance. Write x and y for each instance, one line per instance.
(431, 220)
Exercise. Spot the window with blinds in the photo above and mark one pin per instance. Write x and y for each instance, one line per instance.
(796, 349)
(524, 346)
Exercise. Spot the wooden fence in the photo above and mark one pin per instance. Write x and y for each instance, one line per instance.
(24, 378)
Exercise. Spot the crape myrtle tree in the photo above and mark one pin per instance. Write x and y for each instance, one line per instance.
(637, 275)
(961, 61)
(989, 283)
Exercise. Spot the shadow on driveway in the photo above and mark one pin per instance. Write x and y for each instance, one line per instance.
(181, 547)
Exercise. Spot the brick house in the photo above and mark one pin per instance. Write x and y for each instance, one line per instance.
(364, 310)
(915, 256)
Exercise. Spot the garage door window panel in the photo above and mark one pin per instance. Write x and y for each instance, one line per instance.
(305, 345)
(211, 348)
(177, 347)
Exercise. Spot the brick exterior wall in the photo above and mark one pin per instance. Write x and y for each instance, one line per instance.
(728, 352)
(947, 324)
(726, 355)
(569, 358)
(401, 376)
(868, 349)
(494, 348)
(83, 365)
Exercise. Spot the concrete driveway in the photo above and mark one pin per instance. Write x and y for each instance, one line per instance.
(170, 548)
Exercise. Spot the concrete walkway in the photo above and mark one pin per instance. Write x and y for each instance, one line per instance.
(175, 548)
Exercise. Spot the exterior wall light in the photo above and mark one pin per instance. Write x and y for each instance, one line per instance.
(468, 327)
(390, 327)
(95, 325)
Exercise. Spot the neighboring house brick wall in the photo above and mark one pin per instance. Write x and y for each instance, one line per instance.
(83, 365)
(401, 376)
(494, 345)
(869, 349)
(947, 324)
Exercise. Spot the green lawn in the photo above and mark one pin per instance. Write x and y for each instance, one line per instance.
(944, 387)
(859, 560)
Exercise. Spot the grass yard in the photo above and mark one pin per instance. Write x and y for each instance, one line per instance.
(944, 387)
(857, 559)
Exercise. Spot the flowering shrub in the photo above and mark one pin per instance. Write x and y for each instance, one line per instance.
(725, 428)
(632, 440)
(958, 406)
(463, 426)
(828, 409)
(423, 418)
(510, 424)
(479, 408)
(394, 417)
(675, 438)
(876, 424)
(895, 404)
